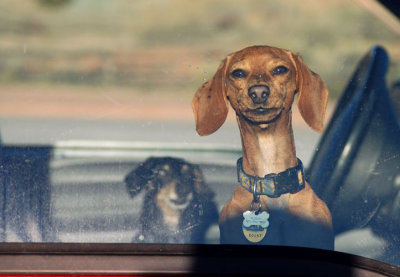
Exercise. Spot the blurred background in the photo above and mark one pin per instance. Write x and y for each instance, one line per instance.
(113, 66)
(109, 72)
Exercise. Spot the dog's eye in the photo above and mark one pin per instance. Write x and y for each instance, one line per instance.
(162, 173)
(280, 70)
(159, 173)
(238, 74)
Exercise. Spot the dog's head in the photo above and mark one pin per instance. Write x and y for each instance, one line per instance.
(171, 181)
(260, 83)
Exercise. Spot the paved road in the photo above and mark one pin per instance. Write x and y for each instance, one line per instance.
(41, 131)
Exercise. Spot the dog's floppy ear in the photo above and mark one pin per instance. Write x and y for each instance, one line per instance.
(210, 104)
(312, 95)
(140, 177)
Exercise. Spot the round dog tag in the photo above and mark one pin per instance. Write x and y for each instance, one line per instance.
(255, 225)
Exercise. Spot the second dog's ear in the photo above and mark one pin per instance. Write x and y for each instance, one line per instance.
(210, 104)
(140, 177)
(199, 184)
(312, 96)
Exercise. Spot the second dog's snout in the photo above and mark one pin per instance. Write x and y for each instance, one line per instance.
(259, 93)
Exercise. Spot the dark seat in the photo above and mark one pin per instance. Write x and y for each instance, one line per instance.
(356, 166)
(25, 194)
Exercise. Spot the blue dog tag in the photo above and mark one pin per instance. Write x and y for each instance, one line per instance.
(255, 225)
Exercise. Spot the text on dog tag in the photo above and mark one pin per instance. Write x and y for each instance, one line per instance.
(255, 225)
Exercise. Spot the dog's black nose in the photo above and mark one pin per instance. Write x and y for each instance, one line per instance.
(259, 93)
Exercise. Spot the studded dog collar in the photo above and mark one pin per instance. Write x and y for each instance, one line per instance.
(273, 185)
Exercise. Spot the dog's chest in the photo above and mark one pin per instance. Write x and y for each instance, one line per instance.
(170, 215)
(279, 203)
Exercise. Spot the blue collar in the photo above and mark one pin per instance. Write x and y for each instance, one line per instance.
(273, 185)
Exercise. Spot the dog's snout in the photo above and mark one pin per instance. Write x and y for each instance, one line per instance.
(259, 93)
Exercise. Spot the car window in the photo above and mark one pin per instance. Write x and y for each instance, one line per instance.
(96, 115)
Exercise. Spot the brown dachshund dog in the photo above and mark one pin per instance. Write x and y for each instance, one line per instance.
(273, 204)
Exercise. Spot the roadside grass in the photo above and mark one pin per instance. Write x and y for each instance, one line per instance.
(173, 46)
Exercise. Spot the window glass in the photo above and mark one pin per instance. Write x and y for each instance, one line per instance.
(90, 90)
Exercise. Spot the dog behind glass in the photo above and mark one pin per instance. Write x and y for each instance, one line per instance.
(178, 206)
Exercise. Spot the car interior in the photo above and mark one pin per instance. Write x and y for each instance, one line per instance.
(67, 207)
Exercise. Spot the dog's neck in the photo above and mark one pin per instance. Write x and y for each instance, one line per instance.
(267, 148)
